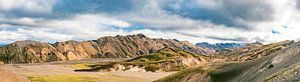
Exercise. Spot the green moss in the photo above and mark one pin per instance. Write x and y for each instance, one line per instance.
(152, 67)
(92, 66)
(185, 54)
(83, 65)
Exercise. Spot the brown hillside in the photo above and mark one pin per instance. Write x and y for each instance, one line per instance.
(106, 47)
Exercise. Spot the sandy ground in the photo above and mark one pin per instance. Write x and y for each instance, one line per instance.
(60, 68)
(10, 76)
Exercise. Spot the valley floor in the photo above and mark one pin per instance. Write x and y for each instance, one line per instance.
(63, 72)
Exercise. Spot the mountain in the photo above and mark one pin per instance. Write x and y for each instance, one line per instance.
(255, 50)
(282, 66)
(106, 47)
(2, 44)
(166, 59)
(221, 45)
(275, 62)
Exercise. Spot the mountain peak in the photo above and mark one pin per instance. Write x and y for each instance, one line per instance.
(141, 35)
(25, 43)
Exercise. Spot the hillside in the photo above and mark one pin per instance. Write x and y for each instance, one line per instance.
(166, 59)
(271, 62)
(106, 47)
(253, 51)
(281, 66)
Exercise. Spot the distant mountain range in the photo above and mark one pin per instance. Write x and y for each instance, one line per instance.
(2, 44)
(221, 45)
(106, 47)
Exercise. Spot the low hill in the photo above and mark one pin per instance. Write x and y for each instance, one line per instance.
(166, 59)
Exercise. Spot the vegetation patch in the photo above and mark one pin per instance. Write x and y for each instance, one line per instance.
(65, 78)
(167, 59)
(85, 78)
(201, 74)
(152, 67)
(87, 65)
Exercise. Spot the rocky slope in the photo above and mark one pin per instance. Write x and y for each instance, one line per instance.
(277, 62)
(29, 52)
(282, 66)
(253, 51)
(106, 47)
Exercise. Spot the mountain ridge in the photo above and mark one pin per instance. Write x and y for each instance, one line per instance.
(105, 47)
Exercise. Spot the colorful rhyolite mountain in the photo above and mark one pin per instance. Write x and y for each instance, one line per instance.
(106, 47)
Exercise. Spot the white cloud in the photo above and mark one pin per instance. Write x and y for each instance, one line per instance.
(284, 12)
(25, 21)
(157, 22)
(102, 20)
(27, 7)
(81, 27)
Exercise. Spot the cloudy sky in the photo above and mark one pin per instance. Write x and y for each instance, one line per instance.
(193, 20)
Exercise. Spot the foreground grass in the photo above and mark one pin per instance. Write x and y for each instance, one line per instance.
(65, 78)
(84, 78)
